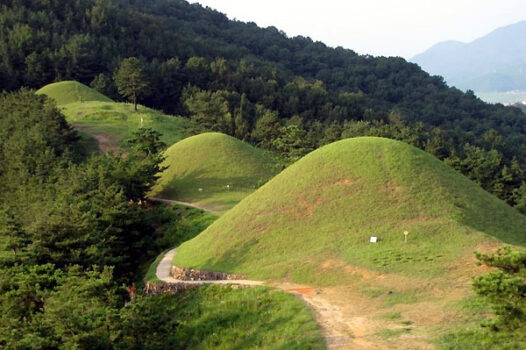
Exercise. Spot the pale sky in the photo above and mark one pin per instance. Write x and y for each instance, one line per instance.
(378, 27)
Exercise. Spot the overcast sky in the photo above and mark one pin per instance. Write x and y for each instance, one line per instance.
(378, 27)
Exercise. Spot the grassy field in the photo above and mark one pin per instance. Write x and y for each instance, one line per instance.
(313, 221)
(66, 92)
(212, 170)
(224, 318)
(115, 122)
(108, 122)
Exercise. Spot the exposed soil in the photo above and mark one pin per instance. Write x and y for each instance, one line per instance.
(353, 319)
(208, 209)
(106, 144)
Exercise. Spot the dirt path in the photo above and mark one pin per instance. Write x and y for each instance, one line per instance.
(106, 144)
(163, 273)
(337, 332)
(186, 204)
(350, 319)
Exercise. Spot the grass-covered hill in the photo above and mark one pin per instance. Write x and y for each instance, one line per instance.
(224, 168)
(201, 64)
(111, 123)
(313, 221)
(66, 92)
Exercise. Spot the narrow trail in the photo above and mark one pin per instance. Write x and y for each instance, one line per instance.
(336, 330)
(186, 204)
(163, 273)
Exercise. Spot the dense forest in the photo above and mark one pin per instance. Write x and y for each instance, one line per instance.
(289, 95)
(72, 232)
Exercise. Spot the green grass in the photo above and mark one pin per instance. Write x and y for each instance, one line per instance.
(88, 143)
(66, 92)
(224, 168)
(182, 223)
(223, 318)
(117, 121)
(151, 275)
(326, 206)
(390, 333)
(477, 338)
(97, 115)
(392, 315)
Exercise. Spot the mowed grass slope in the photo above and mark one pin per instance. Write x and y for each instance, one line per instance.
(312, 223)
(111, 123)
(214, 317)
(66, 92)
(212, 170)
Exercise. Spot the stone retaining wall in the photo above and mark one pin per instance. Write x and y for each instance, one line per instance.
(198, 275)
(153, 288)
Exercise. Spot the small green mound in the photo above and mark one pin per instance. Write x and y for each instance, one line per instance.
(66, 92)
(212, 170)
(316, 218)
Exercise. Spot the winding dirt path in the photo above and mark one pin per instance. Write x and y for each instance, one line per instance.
(336, 331)
(349, 319)
(163, 273)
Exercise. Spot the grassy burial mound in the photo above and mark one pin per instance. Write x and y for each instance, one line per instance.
(108, 122)
(212, 170)
(112, 123)
(66, 92)
(313, 222)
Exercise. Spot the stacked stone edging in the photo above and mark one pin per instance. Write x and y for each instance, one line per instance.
(152, 288)
(183, 274)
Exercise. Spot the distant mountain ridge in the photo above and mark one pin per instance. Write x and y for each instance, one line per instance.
(494, 62)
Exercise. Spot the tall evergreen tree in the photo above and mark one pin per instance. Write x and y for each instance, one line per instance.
(131, 80)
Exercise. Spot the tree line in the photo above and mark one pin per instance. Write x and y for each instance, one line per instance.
(73, 231)
(289, 95)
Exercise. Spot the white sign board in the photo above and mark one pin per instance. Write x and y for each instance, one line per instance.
(373, 239)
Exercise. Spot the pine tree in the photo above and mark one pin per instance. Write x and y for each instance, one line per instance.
(131, 79)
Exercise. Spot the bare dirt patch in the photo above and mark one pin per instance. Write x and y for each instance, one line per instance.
(107, 143)
(352, 318)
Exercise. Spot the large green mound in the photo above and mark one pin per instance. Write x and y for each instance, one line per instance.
(212, 170)
(317, 217)
(66, 92)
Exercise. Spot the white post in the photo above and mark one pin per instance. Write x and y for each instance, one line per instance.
(406, 233)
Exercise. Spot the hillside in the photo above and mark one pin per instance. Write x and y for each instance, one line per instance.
(111, 123)
(211, 52)
(312, 222)
(66, 92)
(224, 168)
(233, 77)
(494, 62)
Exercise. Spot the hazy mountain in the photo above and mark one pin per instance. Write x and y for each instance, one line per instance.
(495, 62)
